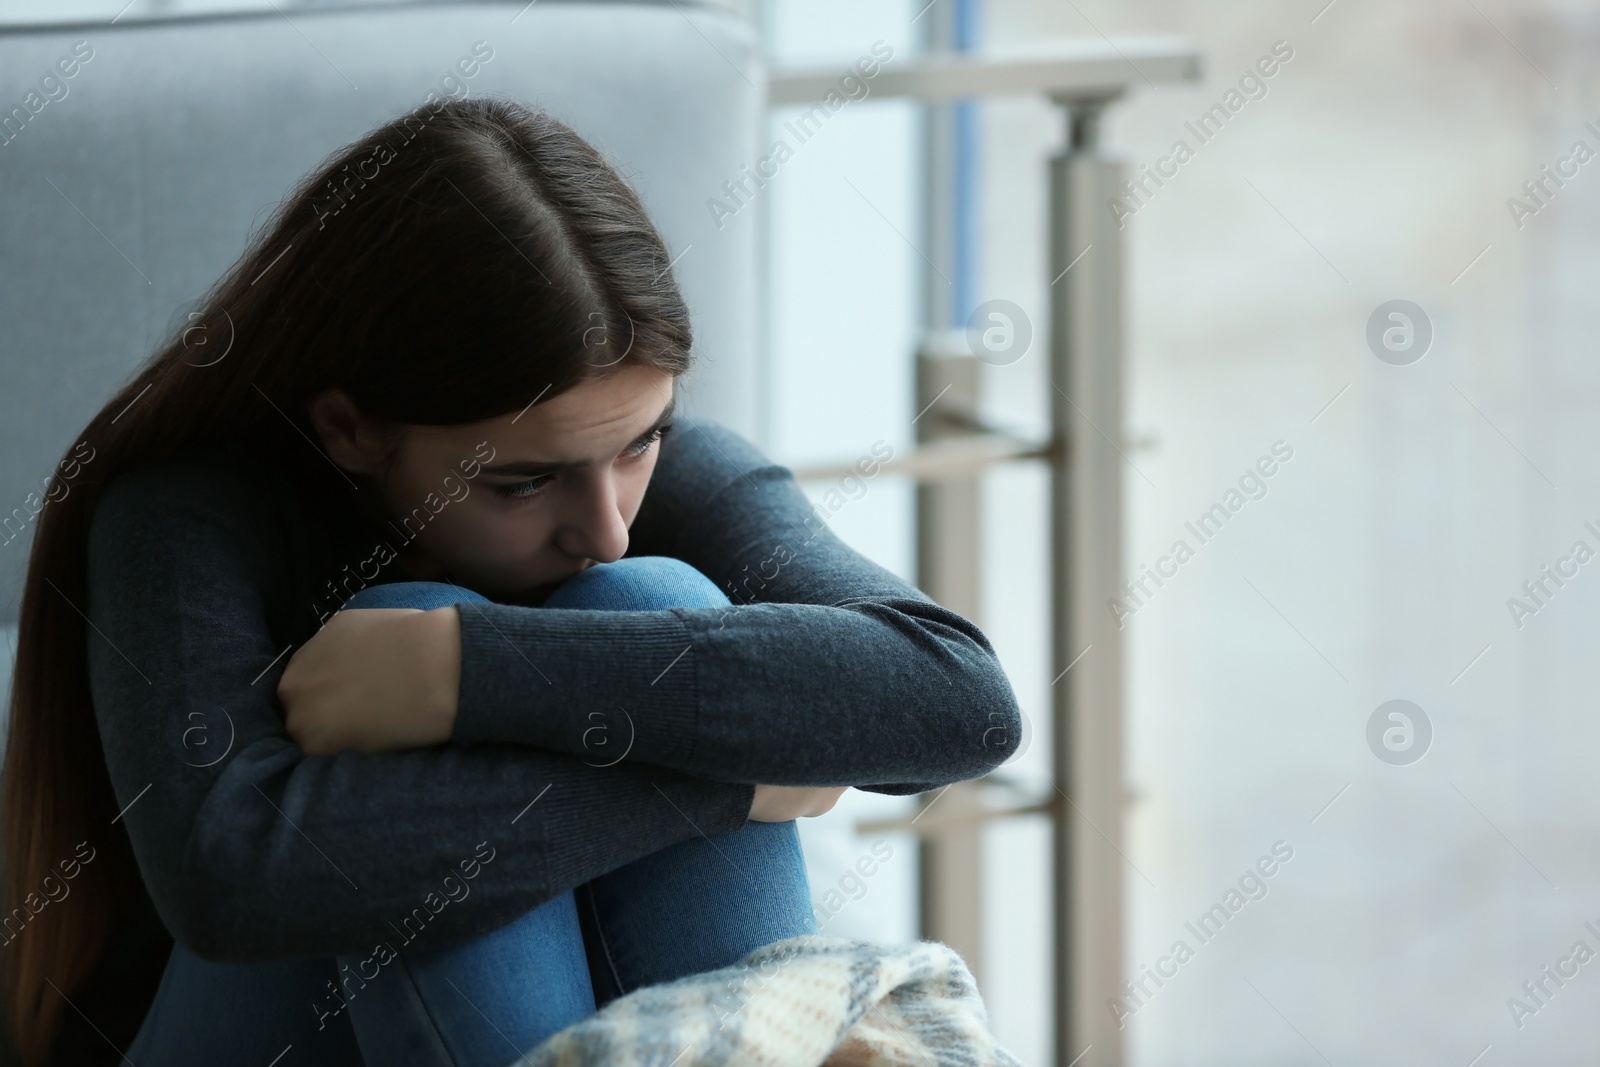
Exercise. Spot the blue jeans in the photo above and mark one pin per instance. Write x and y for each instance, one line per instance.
(485, 1002)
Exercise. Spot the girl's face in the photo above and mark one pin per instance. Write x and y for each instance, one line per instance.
(514, 505)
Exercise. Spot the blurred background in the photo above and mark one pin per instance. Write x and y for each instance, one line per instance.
(1429, 858)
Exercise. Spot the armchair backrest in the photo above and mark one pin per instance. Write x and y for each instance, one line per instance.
(131, 183)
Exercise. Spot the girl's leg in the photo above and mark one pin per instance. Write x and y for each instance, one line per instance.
(694, 906)
(209, 1013)
(480, 1003)
(483, 1002)
(698, 905)
(702, 903)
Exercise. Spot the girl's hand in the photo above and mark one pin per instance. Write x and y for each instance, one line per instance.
(781, 803)
(375, 680)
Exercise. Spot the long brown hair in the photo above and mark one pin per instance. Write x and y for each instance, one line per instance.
(455, 264)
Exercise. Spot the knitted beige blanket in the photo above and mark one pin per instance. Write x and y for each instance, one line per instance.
(804, 1002)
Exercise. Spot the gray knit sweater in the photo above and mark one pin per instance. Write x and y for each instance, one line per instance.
(206, 570)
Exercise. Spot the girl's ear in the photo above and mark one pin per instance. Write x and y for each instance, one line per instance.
(353, 441)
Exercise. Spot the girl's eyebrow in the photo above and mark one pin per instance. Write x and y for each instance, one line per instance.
(528, 468)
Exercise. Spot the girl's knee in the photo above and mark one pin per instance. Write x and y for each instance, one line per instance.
(639, 583)
(423, 595)
(667, 572)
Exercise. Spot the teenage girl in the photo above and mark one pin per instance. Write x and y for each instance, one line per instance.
(399, 678)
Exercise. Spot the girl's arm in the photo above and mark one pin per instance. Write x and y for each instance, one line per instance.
(828, 670)
(252, 850)
(385, 680)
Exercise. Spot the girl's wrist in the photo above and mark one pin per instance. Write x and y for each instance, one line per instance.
(441, 668)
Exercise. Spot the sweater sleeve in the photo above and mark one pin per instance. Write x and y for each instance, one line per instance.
(250, 849)
(827, 669)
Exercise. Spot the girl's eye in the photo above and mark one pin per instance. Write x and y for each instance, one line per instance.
(523, 490)
(644, 446)
(533, 486)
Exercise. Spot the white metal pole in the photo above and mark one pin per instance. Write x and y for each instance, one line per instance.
(1086, 550)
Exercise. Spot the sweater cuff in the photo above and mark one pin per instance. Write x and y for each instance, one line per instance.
(598, 685)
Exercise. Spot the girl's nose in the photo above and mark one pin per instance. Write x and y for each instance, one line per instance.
(594, 528)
